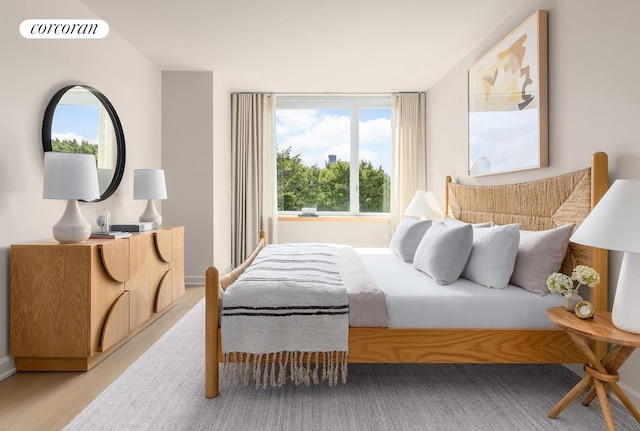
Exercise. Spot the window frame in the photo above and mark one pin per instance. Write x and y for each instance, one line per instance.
(353, 103)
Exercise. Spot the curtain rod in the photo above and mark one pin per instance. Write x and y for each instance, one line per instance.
(393, 93)
(328, 93)
(274, 93)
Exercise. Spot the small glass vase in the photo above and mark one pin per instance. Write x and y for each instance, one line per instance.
(571, 300)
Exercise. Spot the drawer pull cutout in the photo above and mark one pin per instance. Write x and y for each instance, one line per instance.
(115, 259)
(116, 325)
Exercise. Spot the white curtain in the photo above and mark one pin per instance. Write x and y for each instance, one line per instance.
(253, 200)
(409, 151)
(107, 144)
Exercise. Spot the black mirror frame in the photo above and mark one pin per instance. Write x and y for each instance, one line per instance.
(117, 126)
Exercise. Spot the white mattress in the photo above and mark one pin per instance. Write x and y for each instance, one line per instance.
(414, 300)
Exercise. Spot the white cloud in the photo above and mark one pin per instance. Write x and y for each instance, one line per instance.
(333, 128)
(312, 135)
(375, 131)
(293, 120)
(316, 134)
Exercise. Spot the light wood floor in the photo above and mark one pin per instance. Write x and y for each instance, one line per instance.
(43, 401)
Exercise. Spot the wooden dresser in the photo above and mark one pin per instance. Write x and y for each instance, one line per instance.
(73, 304)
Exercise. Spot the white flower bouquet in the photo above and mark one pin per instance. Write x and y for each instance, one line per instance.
(582, 275)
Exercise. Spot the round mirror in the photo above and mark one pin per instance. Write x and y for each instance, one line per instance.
(80, 119)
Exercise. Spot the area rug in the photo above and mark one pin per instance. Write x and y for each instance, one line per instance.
(164, 390)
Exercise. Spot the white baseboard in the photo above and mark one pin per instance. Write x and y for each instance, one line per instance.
(631, 393)
(191, 280)
(7, 367)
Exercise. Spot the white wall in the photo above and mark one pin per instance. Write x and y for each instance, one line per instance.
(196, 157)
(187, 158)
(593, 105)
(222, 174)
(354, 233)
(32, 72)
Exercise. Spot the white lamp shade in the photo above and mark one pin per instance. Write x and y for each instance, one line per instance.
(70, 176)
(613, 222)
(613, 225)
(423, 204)
(149, 184)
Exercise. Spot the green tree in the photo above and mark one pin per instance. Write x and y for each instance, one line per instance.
(72, 146)
(328, 188)
(375, 186)
(333, 187)
(293, 187)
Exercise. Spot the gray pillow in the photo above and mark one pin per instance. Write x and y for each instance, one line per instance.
(452, 221)
(443, 252)
(540, 254)
(493, 255)
(407, 236)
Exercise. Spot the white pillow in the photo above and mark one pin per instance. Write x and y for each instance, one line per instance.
(540, 254)
(407, 236)
(493, 255)
(443, 252)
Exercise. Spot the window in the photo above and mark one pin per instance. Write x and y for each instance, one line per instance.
(334, 154)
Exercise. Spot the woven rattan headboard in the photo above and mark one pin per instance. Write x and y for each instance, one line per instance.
(539, 205)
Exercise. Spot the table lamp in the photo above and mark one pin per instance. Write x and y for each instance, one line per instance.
(70, 176)
(613, 224)
(149, 184)
(423, 204)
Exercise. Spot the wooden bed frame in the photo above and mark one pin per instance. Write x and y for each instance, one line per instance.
(537, 205)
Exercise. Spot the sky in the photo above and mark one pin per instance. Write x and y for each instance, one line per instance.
(312, 133)
(316, 133)
(78, 122)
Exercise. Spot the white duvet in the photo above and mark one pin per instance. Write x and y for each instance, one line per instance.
(414, 300)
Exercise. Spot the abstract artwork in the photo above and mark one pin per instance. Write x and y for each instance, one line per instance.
(508, 102)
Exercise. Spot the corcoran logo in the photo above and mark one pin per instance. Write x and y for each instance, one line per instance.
(64, 29)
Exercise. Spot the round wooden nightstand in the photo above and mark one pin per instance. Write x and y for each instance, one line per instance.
(599, 373)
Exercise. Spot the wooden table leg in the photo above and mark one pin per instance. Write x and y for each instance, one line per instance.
(584, 344)
(589, 397)
(604, 404)
(596, 374)
(599, 373)
(627, 403)
(600, 382)
(572, 395)
(611, 362)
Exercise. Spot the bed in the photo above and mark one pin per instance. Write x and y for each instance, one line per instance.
(537, 205)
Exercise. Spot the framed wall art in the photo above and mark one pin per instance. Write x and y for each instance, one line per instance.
(508, 114)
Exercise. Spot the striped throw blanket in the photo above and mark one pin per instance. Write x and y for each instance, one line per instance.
(287, 317)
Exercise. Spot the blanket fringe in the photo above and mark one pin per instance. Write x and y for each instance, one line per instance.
(274, 369)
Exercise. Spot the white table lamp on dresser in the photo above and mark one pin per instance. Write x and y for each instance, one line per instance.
(149, 184)
(70, 176)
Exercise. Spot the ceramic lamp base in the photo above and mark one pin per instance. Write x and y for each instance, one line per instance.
(72, 227)
(624, 313)
(151, 214)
